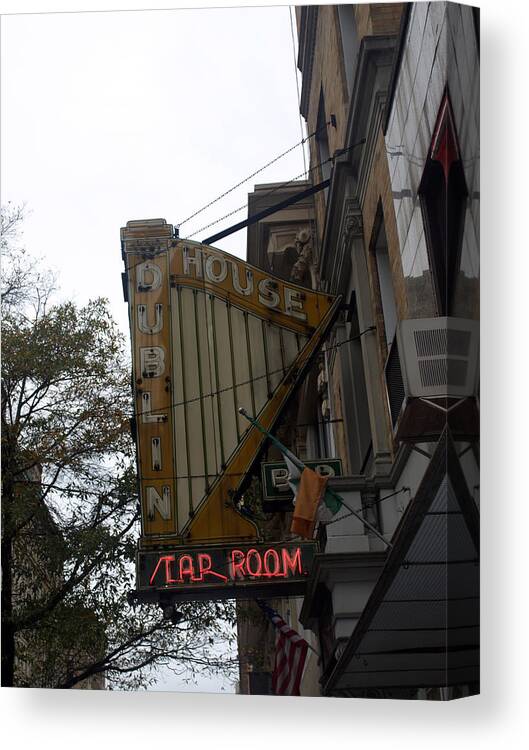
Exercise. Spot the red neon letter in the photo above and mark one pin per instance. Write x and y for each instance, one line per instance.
(237, 568)
(204, 567)
(187, 570)
(254, 573)
(292, 564)
(167, 559)
(277, 563)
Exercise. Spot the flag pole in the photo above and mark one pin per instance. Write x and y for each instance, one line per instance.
(295, 460)
(300, 465)
(264, 607)
(355, 513)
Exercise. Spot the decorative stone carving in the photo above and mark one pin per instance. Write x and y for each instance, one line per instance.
(353, 224)
(322, 384)
(350, 228)
(290, 250)
(304, 269)
(323, 390)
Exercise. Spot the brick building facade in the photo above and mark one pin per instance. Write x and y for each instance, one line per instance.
(392, 93)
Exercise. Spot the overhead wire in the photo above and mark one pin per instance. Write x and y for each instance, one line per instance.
(330, 159)
(150, 255)
(297, 82)
(254, 174)
(225, 389)
(262, 197)
(283, 370)
(363, 509)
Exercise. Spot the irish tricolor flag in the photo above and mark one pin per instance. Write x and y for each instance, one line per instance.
(312, 500)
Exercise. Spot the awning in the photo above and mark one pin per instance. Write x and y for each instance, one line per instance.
(420, 627)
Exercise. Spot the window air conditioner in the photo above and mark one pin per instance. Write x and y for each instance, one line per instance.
(439, 357)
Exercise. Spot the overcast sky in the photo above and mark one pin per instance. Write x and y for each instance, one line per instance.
(113, 116)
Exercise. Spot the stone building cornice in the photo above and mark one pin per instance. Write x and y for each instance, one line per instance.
(352, 167)
(307, 46)
(331, 568)
(368, 100)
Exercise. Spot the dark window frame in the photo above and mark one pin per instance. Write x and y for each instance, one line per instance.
(443, 197)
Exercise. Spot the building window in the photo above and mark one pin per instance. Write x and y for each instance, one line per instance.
(385, 282)
(443, 196)
(322, 144)
(388, 303)
(476, 20)
(325, 627)
(349, 42)
(355, 403)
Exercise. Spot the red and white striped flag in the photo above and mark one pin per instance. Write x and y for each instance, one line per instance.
(290, 656)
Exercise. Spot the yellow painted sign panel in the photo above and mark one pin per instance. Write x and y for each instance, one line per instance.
(210, 334)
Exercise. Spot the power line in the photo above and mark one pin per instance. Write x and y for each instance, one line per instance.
(150, 255)
(257, 171)
(283, 370)
(340, 152)
(266, 195)
(367, 507)
(297, 82)
(254, 218)
(153, 254)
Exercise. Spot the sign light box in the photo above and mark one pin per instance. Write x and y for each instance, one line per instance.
(277, 493)
(210, 334)
(218, 572)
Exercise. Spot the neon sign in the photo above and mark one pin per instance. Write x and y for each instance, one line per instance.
(224, 571)
(210, 333)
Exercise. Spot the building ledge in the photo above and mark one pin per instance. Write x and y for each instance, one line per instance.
(334, 568)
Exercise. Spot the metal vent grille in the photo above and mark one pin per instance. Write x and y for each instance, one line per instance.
(433, 372)
(458, 342)
(437, 342)
(430, 343)
(394, 382)
(442, 372)
(439, 356)
(457, 372)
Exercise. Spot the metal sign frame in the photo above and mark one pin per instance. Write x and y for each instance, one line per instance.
(282, 500)
(177, 293)
(223, 571)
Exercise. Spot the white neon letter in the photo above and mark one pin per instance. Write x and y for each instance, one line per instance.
(267, 293)
(237, 283)
(155, 502)
(155, 274)
(143, 323)
(280, 479)
(294, 304)
(152, 361)
(195, 260)
(146, 416)
(210, 271)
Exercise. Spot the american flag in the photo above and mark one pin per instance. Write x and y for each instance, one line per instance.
(291, 652)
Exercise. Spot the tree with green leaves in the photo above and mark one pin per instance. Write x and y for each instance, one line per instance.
(69, 501)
